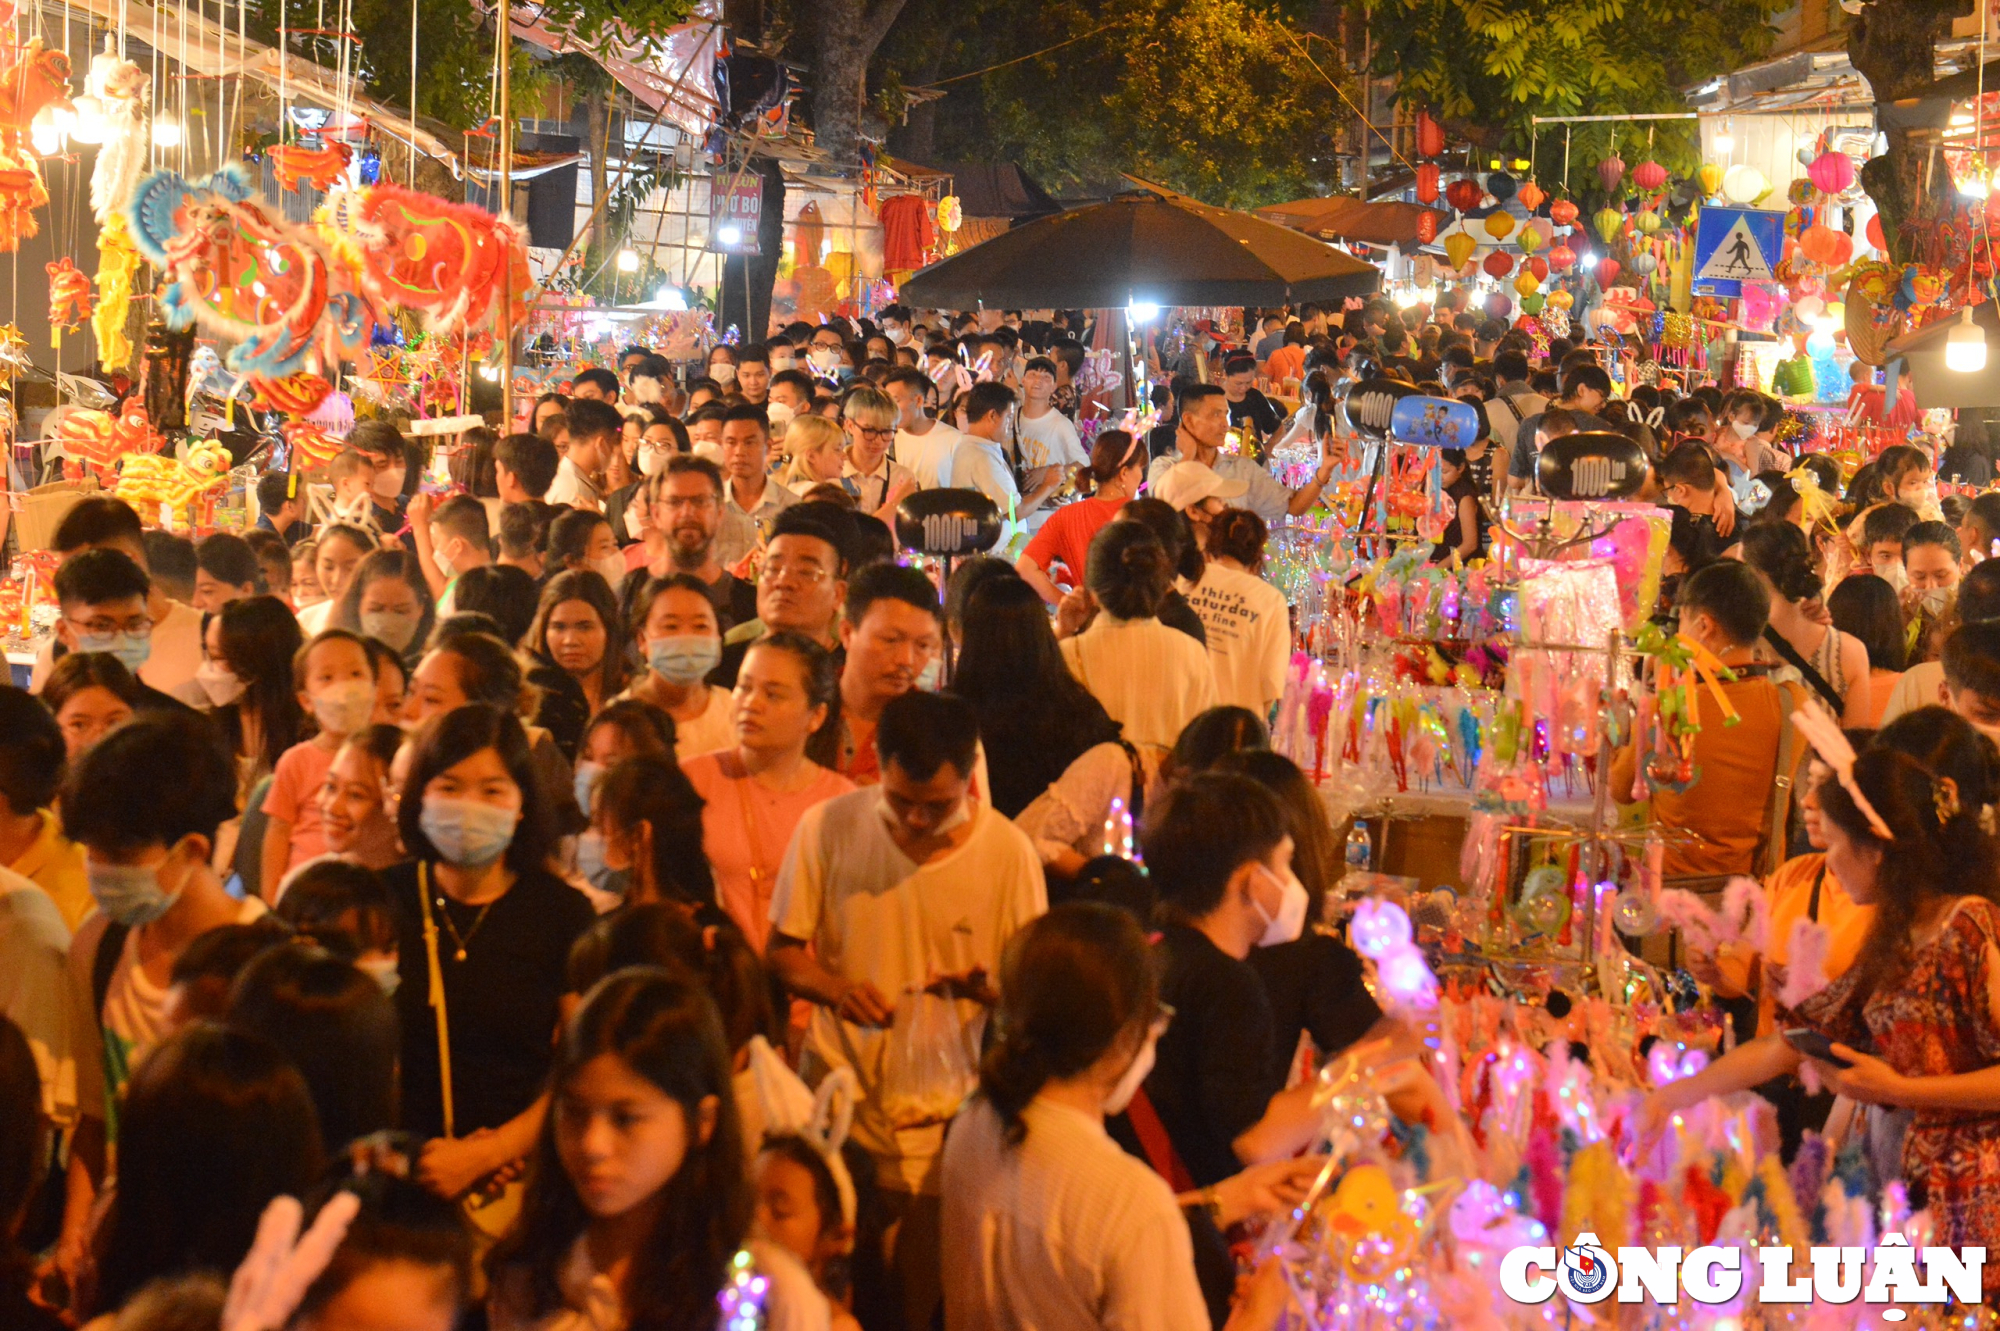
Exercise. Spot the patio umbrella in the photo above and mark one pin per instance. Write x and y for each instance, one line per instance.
(1392, 222)
(1147, 246)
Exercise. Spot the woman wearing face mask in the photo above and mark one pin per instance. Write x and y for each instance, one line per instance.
(639, 1211)
(1049, 1221)
(480, 913)
(337, 552)
(678, 640)
(577, 655)
(1834, 665)
(645, 840)
(722, 365)
(580, 540)
(388, 600)
(247, 675)
(625, 729)
(755, 792)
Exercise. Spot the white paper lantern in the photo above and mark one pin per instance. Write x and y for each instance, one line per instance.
(1744, 184)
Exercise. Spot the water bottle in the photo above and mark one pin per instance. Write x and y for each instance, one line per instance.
(1359, 852)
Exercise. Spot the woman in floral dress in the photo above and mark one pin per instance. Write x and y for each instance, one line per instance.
(1918, 1015)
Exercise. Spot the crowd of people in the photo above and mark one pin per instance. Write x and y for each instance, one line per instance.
(657, 902)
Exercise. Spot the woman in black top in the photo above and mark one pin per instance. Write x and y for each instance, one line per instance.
(577, 653)
(479, 895)
(1465, 535)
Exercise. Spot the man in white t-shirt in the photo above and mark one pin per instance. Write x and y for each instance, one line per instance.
(978, 461)
(923, 445)
(594, 430)
(1049, 444)
(904, 893)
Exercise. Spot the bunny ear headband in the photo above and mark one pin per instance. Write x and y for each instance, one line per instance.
(1823, 733)
(821, 1120)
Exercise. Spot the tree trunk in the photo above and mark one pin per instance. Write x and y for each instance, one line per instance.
(1892, 44)
(747, 279)
(597, 121)
(849, 32)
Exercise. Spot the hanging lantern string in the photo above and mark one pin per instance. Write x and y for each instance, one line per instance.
(1566, 135)
(1342, 93)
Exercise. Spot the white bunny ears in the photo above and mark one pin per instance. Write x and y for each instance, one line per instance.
(1823, 733)
(822, 1121)
(280, 1266)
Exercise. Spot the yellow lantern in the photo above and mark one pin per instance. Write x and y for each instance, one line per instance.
(1648, 222)
(1561, 299)
(1499, 225)
(1529, 240)
(1458, 247)
(1527, 283)
(1711, 179)
(1608, 222)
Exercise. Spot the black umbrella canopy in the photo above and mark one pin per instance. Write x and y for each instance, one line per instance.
(1149, 246)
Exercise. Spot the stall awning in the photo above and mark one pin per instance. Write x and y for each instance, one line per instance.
(1344, 218)
(675, 71)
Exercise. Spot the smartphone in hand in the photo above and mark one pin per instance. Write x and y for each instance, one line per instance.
(1814, 1045)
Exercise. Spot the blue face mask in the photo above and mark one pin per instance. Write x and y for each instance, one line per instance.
(469, 833)
(683, 658)
(587, 773)
(129, 894)
(590, 863)
(131, 652)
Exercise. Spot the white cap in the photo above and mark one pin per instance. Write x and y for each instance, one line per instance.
(1188, 483)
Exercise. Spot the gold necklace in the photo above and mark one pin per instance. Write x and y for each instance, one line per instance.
(444, 912)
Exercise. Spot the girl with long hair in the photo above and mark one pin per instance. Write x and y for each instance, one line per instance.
(576, 654)
(638, 1211)
(1834, 665)
(388, 600)
(250, 644)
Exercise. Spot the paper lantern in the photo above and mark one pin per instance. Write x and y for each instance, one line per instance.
(1464, 194)
(1527, 283)
(1608, 222)
(1817, 243)
(1607, 272)
(1648, 222)
(1499, 225)
(1874, 230)
(1498, 264)
(1561, 299)
(1427, 183)
(1501, 186)
(1427, 226)
(1531, 195)
(1744, 184)
(1529, 240)
(1644, 262)
(1423, 270)
(950, 213)
(1563, 213)
(1498, 306)
(1802, 192)
(1430, 135)
(1710, 177)
(1843, 249)
(1532, 304)
(1458, 247)
(1649, 175)
(1538, 266)
(1562, 258)
(1611, 170)
(1832, 171)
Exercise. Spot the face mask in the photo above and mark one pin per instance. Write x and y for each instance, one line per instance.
(611, 568)
(962, 814)
(1128, 1085)
(1933, 601)
(389, 484)
(1290, 921)
(647, 389)
(131, 652)
(382, 970)
(824, 359)
(219, 682)
(469, 833)
(724, 374)
(1743, 429)
(343, 709)
(653, 458)
(683, 658)
(779, 364)
(779, 415)
(928, 677)
(897, 335)
(442, 560)
(590, 863)
(129, 894)
(585, 782)
(394, 629)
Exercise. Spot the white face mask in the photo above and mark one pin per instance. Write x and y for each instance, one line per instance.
(780, 363)
(389, 482)
(1744, 429)
(611, 568)
(1934, 600)
(824, 359)
(779, 415)
(219, 682)
(960, 815)
(1290, 921)
(897, 335)
(653, 459)
(442, 560)
(723, 373)
(1128, 1085)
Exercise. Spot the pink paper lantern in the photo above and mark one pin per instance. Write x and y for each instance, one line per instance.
(1649, 175)
(1611, 170)
(1831, 172)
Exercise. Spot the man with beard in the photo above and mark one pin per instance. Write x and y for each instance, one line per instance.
(684, 509)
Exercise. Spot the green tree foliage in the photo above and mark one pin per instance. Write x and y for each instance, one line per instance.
(1490, 66)
(1206, 96)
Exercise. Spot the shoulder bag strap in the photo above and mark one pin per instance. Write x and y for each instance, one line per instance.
(436, 972)
(1772, 852)
(1812, 903)
(1815, 680)
(1158, 1146)
(104, 963)
(1135, 803)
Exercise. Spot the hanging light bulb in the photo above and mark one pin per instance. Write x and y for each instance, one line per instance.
(1965, 346)
(1725, 143)
(89, 126)
(166, 133)
(44, 134)
(628, 261)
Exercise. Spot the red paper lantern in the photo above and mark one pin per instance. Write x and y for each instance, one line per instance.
(1880, 242)
(1649, 175)
(1607, 272)
(1562, 258)
(1427, 183)
(1464, 194)
(1427, 226)
(1539, 267)
(1430, 135)
(1498, 264)
(1563, 213)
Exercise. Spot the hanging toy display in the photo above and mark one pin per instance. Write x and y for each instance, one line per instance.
(122, 90)
(117, 265)
(69, 297)
(32, 79)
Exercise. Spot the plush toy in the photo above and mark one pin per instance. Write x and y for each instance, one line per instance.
(123, 89)
(69, 296)
(117, 265)
(147, 481)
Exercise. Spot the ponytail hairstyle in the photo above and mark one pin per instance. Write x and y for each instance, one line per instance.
(664, 1028)
(1939, 846)
(1239, 534)
(652, 789)
(1781, 553)
(1127, 571)
(1075, 985)
(1175, 534)
(1112, 453)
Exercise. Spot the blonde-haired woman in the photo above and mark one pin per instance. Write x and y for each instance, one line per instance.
(815, 446)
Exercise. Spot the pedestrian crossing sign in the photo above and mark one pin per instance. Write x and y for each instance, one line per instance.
(1736, 245)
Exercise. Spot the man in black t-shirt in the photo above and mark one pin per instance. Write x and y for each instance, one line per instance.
(1251, 414)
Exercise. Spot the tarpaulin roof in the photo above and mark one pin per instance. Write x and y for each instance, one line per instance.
(675, 71)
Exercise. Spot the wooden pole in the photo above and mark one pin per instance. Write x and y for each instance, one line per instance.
(506, 141)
